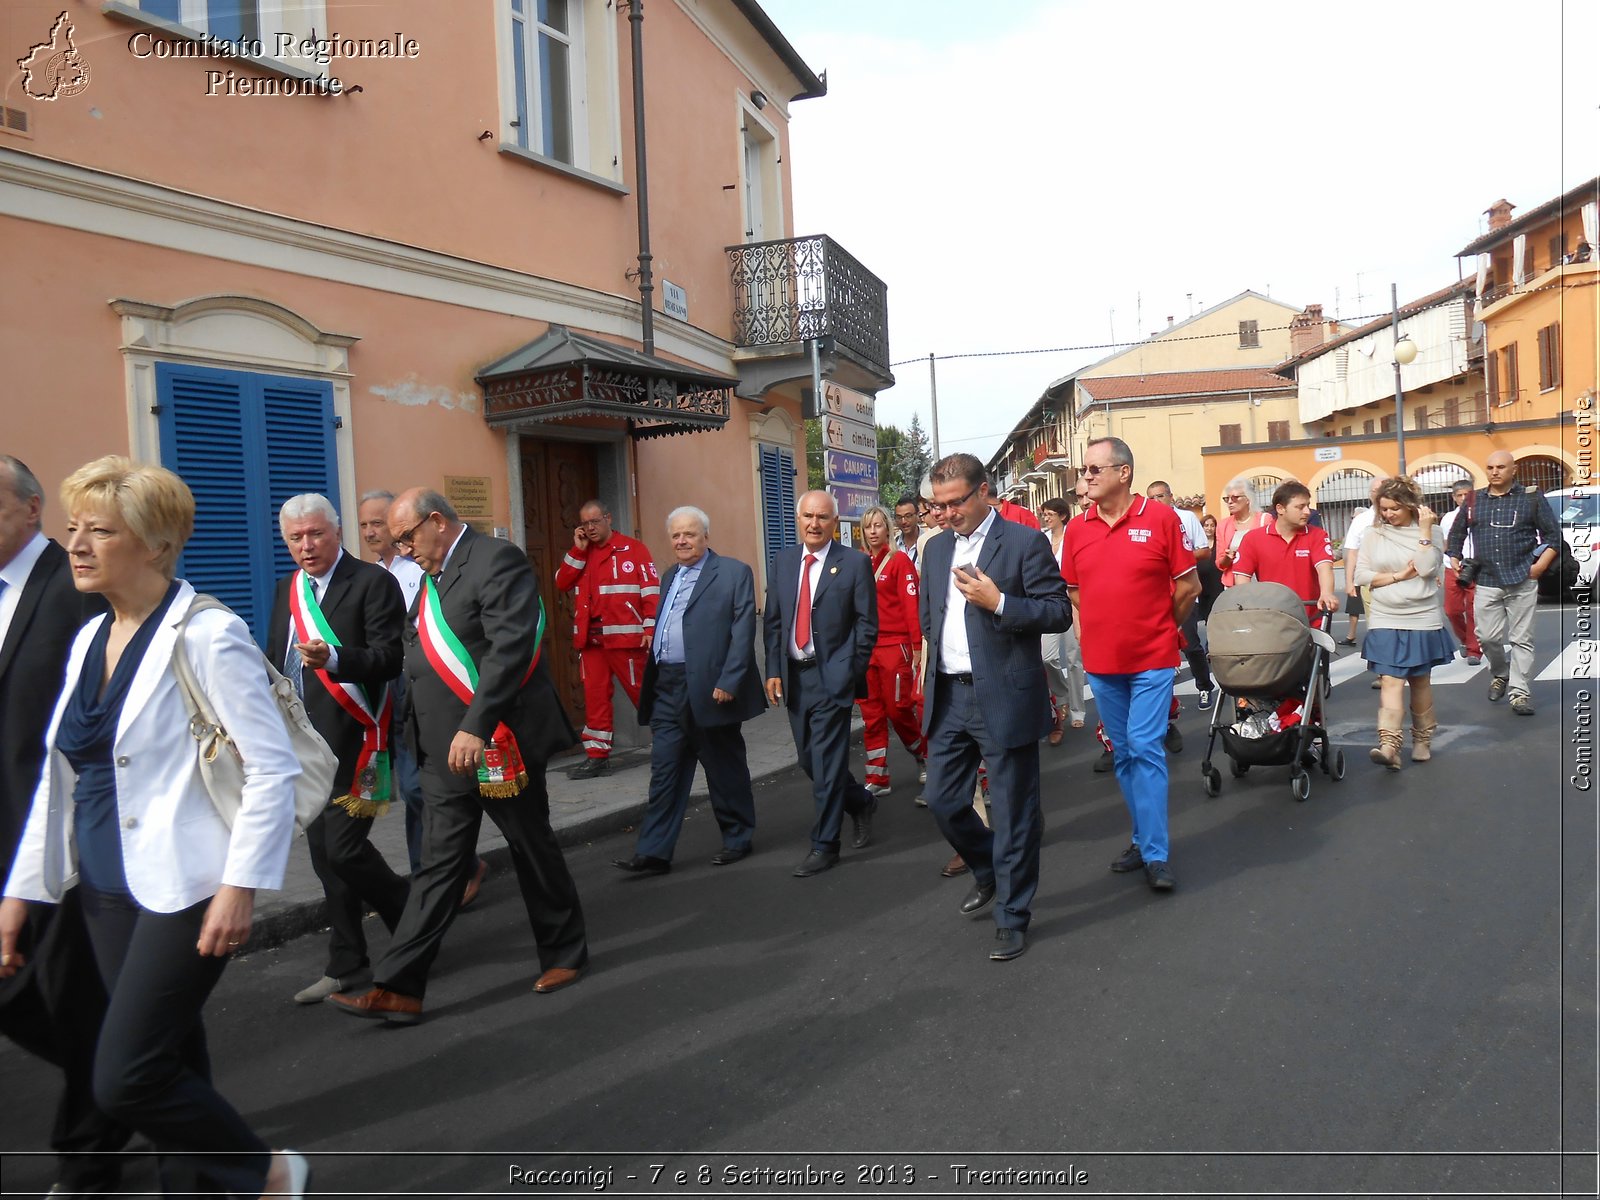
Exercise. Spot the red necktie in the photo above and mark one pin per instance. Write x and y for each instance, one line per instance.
(802, 608)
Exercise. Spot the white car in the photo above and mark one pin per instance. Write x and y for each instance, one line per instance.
(1577, 510)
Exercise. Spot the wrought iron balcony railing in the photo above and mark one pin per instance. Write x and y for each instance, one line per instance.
(799, 289)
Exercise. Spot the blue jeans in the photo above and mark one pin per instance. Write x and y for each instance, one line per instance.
(1134, 711)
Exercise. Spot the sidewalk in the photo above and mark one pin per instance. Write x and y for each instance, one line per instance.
(580, 810)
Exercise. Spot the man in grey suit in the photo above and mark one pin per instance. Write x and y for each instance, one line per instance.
(821, 624)
(990, 589)
(700, 684)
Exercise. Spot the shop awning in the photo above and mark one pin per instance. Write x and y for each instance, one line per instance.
(564, 375)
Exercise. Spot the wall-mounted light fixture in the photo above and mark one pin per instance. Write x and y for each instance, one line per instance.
(759, 99)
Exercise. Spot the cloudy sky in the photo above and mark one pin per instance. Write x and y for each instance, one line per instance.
(1069, 173)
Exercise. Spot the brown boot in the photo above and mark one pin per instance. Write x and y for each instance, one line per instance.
(1387, 751)
(1422, 727)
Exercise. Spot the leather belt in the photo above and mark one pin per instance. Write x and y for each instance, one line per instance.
(803, 663)
(964, 677)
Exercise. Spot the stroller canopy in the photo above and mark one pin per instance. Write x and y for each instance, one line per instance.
(1261, 644)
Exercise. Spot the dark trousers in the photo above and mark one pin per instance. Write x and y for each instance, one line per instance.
(354, 875)
(677, 743)
(53, 1009)
(1195, 652)
(151, 1070)
(452, 815)
(407, 780)
(1006, 851)
(821, 729)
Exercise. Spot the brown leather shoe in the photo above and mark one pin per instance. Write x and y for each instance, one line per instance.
(555, 979)
(475, 884)
(956, 866)
(379, 1005)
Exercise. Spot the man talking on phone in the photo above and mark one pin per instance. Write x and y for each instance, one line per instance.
(990, 589)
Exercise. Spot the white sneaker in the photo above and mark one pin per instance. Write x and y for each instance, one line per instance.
(922, 775)
(878, 789)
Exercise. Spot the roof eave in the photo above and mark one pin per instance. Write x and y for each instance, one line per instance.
(812, 85)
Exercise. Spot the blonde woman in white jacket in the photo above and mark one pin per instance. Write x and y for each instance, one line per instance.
(122, 813)
(1406, 636)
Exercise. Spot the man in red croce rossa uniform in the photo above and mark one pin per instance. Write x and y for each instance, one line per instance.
(615, 593)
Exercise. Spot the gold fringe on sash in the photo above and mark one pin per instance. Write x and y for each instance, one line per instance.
(357, 807)
(506, 789)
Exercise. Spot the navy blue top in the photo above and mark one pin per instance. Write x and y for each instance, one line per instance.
(86, 736)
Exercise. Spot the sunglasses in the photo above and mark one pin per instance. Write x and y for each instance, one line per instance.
(1092, 472)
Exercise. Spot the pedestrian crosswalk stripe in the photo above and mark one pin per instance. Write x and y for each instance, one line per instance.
(1576, 661)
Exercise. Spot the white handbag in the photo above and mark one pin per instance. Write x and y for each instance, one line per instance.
(221, 766)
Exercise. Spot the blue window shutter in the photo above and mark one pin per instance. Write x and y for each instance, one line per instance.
(244, 443)
(777, 499)
(207, 440)
(297, 424)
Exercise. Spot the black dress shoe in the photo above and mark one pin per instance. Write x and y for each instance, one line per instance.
(1159, 877)
(642, 864)
(978, 899)
(1106, 762)
(730, 854)
(1129, 860)
(589, 768)
(861, 821)
(816, 863)
(1008, 944)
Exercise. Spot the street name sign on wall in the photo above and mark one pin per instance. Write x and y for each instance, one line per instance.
(674, 300)
(854, 470)
(1328, 453)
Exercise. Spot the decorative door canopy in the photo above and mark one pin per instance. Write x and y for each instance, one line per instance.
(563, 375)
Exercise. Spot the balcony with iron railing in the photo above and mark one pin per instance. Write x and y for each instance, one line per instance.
(795, 291)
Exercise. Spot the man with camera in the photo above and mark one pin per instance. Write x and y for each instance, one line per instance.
(1508, 523)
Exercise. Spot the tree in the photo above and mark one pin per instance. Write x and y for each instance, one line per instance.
(914, 458)
(816, 477)
(890, 443)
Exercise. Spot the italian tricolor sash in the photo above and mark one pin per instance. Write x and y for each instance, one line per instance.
(371, 709)
(501, 774)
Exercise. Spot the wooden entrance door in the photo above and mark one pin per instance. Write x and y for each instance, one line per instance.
(557, 477)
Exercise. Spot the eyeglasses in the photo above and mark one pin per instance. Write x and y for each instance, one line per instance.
(405, 539)
(592, 521)
(936, 506)
(1091, 472)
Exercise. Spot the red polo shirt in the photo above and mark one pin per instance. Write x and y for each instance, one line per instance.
(1124, 575)
(1265, 555)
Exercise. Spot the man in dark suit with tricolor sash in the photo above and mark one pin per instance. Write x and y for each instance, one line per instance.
(335, 632)
(485, 717)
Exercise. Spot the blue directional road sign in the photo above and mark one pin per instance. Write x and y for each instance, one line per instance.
(852, 501)
(856, 470)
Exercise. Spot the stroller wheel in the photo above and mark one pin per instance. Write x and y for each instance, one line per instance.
(1213, 781)
(1239, 769)
(1300, 784)
(1336, 766)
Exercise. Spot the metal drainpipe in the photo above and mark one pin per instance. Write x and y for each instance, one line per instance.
(647, 316)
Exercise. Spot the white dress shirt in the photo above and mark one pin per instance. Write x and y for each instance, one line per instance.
(15, 573)
(955, 656)
(321, 582)
(809, 650)
(1445, 525)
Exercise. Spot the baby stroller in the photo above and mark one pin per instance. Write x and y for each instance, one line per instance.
(1272, 668)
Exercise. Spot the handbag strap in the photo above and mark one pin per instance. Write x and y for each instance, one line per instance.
(194, 696)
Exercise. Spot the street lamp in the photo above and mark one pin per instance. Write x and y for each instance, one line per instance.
(1405, 351)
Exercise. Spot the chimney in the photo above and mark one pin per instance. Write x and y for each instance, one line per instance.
(1306, 331)
(1499, 214)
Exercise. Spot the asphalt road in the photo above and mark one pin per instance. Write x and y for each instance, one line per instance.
(1389, 989)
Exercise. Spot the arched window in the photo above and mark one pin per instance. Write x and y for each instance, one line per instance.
(1435, 479)
(1261, 489)
(1540, 473)
(1340, 496)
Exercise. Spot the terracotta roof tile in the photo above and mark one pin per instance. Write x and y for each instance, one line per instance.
(1184, 383)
